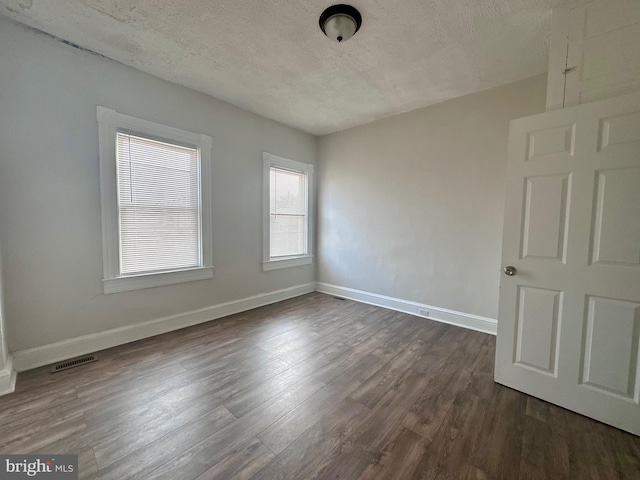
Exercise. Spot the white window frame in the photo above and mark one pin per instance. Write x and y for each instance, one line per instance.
(268, 263)
(110, 123)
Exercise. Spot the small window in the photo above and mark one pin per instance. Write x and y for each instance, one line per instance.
(287, 236)
(155, 206)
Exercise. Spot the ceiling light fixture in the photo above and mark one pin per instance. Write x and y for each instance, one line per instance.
(340, 22)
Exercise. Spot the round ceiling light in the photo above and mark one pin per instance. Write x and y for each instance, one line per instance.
(340, 22)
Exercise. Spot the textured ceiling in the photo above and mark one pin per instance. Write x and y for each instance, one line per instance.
(270, 57)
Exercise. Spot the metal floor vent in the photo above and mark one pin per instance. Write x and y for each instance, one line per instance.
(76, 362)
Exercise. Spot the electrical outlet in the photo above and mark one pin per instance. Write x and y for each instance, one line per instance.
(424, 313)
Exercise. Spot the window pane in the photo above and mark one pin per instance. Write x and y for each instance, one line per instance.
(288, 212)
(288, 235)
(288, 192)
(159, 205)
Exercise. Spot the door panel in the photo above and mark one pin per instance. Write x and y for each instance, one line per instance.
(612, 371)
(545, 216)
(569, 320)
(552, 141)
(538, 322)
(620, 130)
(616, 236)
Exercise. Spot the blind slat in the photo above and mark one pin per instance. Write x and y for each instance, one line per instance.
(159, 205)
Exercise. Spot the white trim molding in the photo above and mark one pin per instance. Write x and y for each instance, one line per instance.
(137, 282)
(439, 314)
(110, 123)
(7, 378)
(73, 347)
(275, 264)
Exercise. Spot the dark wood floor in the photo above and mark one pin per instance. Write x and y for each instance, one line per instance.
(313, 387)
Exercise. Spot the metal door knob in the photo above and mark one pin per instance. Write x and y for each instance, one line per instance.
(511, 271)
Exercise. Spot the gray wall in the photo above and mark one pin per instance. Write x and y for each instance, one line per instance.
(49, 190)
(411, 206)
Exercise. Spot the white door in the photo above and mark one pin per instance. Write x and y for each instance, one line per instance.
(569, 318)
(604, 36)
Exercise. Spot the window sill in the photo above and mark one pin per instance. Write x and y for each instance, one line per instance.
(139, 282)
(287, 262)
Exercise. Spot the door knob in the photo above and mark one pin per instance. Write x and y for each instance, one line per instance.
(511, 271)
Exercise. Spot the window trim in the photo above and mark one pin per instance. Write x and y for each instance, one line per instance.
(109, 123)
(269, 160)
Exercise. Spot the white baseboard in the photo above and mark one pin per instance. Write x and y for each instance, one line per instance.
(444, 315)
(7, 378)
(73, 347)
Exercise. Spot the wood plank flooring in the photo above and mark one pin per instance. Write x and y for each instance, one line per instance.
(313, 387)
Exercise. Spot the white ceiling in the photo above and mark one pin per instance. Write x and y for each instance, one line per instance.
(270, 57)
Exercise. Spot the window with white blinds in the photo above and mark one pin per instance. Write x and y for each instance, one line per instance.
(155, 190)
(287, 208)
(158, 205)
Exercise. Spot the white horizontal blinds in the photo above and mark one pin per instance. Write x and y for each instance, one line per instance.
(287, 212)
(159, 205)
